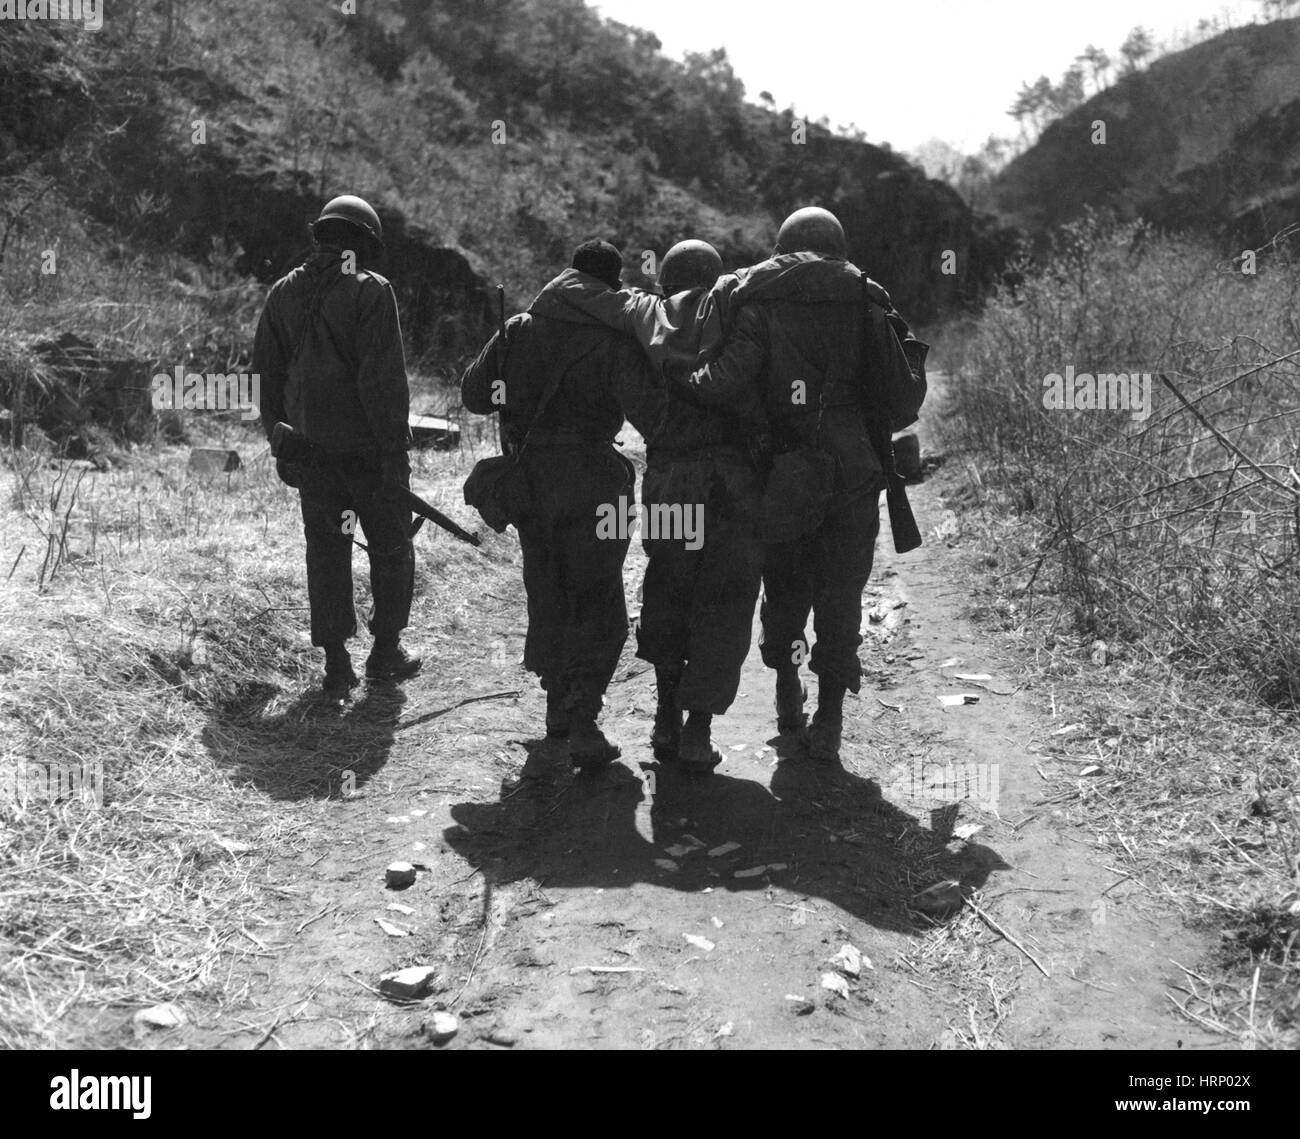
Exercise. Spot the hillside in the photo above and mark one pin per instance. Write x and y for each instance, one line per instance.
(172, 160)
(1204, 140)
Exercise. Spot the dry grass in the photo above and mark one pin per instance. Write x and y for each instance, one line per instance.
(1151, 566)
(1182, 530)
(1192, 787)
(954, 958)
(166, 642)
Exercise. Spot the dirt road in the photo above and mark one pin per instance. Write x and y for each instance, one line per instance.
(639, 910)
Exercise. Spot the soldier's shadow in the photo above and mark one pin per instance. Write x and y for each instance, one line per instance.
(312, 748)
(819, 832)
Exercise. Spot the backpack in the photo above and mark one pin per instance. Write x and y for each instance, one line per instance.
(897, 381)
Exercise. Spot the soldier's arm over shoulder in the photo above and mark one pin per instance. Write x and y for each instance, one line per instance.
(271, 364)
(381, 365)
(636, 385)
(478, 384)
(731, 378)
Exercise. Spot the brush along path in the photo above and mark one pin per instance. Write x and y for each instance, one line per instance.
(636, 909)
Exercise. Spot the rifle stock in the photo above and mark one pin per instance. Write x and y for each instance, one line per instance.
(902, 522)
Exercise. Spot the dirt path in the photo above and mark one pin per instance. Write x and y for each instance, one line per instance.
(531, 879)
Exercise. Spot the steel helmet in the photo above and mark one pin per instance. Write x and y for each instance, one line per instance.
(355, 211)
(812, 230)
(688, 265)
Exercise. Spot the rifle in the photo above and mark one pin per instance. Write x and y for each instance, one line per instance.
(288, 445)
(902, 522)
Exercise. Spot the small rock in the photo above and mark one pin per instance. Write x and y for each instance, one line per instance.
(213, 461)
(800, 1006)
(392, 930)
(408, 984)
(160, 1016)
(849, 960)
(441, 1027)
(836, 984)
(399, 875)
(502, 1037)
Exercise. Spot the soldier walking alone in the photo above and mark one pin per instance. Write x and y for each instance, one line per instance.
(329, 353)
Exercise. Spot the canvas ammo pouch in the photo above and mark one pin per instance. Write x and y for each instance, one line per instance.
(498, 490)
(497, 487)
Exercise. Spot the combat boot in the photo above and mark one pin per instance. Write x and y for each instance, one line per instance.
(824, 736)
(697, 752)
(790, 695)
(666, 735)
(339, 677)
(589, 749)
(389, 661)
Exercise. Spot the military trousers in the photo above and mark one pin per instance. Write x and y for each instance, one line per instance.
(822, 573)
(573, 569)
(702, 579)
(349, 492)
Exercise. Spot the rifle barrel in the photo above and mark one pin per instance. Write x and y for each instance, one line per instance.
(422, 508)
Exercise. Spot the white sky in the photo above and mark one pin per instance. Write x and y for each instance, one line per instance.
(910, 70)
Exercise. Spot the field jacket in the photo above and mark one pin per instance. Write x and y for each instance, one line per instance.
(329, 353)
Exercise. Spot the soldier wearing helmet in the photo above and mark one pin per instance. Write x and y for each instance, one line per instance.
(700, 588)
(812, 353)
(329, 353)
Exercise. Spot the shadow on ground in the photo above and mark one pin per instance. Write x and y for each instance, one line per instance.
(820, 831)
(307, 749)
